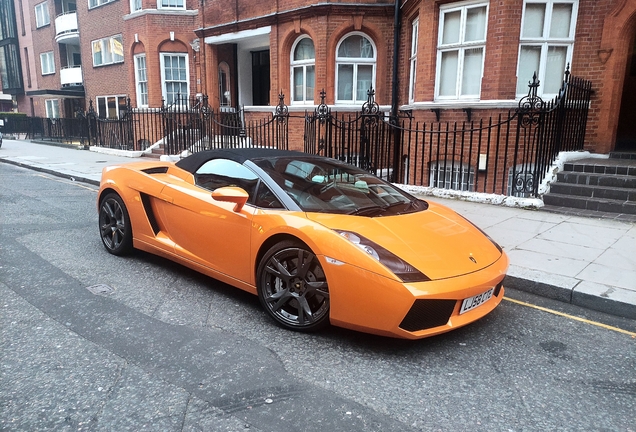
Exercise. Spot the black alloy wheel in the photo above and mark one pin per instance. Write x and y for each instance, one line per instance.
(114, 225)
(292, 287)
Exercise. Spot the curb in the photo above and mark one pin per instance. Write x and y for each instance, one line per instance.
(51, 172)
(597, 303)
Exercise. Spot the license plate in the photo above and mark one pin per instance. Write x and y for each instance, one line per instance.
(472, 302)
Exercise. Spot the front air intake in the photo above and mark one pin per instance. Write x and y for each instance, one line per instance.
(425, 314)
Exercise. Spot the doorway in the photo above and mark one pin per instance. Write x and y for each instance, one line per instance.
(260, 77)
(626, 130)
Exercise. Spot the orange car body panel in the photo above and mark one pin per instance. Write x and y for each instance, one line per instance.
(209, 236)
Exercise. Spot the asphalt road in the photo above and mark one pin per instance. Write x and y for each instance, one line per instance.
(90, 341)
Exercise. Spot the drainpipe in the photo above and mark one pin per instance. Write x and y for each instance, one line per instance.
(397, 145)
(396, 44)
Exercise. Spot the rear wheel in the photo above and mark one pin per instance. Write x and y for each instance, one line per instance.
(292, 287)
(114, 225)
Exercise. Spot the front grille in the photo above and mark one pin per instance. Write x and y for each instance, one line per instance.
(425, 314)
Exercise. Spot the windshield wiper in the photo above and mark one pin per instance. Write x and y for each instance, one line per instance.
(367, 210)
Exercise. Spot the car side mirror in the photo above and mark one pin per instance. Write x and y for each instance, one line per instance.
(231, 194)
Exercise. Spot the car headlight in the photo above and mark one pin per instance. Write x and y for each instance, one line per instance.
(398, 266)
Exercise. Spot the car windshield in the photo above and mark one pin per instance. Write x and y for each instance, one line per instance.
(329, 186)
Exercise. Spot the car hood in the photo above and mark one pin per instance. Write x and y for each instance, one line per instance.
(437, 241)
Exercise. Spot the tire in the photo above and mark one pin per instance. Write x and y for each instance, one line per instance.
(296, 297)
(114, 225)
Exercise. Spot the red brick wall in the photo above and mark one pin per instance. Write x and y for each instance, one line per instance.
(94, 24)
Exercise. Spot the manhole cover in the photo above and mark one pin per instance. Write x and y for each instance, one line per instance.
(101, 289)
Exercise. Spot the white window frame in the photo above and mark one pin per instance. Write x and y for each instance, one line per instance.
(47, 62)
(117, 105)
(136, 6)
(415, 25)
(141, 80)
(92, 4)
(42, 16)
(164, 91)
(303, 64)
(171, 4)
(356, 62)
(108, 42)
(461, 47)
(545, 42)
(52, 107)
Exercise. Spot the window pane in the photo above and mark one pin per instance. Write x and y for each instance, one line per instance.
(311, 76)
(345, 82)
(450, 33)
(101, 107)
(476, 24)
(112, 107)
(118, 49)
(298, 84)
(528, 65)
(365, 77)
(471, 76)
(356, 46)
(534, 18)
(141, 68)
(143, 93)
(561, 18)
(304, 50)
(554, 69)
(448, 74)
(97, 52)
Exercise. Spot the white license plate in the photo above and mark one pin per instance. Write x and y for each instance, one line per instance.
(472, 302)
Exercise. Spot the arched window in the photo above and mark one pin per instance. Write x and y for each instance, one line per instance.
(303, 70)
(355, 68)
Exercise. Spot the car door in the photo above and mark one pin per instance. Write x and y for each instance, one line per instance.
(207, 231)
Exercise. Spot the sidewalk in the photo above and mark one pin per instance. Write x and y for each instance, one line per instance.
(584, 261)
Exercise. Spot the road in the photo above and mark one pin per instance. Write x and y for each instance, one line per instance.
(90, 341)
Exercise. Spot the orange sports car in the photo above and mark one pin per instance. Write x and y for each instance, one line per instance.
(319, 241)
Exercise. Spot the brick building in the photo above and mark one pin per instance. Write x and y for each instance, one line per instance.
(102, 52)
(453, 58)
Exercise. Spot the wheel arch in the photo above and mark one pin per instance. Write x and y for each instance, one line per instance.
(271, 241)
(105, 191)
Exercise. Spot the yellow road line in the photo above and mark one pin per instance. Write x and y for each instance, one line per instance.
(598, 324)
(69, 181)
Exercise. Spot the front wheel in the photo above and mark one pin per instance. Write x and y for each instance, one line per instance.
(114, 225)
(292, 287)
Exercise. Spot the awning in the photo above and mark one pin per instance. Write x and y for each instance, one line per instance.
(75, 93)
(237, 36)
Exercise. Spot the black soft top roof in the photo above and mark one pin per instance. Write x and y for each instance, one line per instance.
(196, 160)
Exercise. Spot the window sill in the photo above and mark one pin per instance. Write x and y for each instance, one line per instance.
(107, 64)
(460, 104)
(144, 12)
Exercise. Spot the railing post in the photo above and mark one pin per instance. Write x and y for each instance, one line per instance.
(370, 118)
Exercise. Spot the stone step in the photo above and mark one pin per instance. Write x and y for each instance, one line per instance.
(627, 168)
(587, 203)
(613, 193)
(606, 180)
(623, 155)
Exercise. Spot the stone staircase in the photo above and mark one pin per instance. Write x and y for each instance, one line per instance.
(596, 187)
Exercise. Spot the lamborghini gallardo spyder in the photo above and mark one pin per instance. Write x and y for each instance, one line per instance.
(319, 241)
